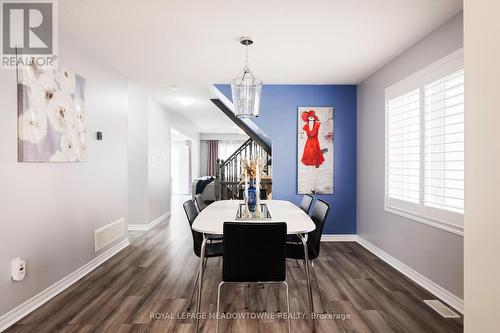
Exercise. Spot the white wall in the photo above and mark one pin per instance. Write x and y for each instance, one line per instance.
(482, 165)
(149, 154)
(432, 252)
(138, 141)
(49, 211)
(159, 183)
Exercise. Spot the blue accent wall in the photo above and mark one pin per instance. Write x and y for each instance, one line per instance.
(278, 119)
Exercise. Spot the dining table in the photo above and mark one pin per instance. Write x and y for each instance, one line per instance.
(210, 221)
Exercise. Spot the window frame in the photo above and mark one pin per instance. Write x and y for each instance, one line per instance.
(439, 218)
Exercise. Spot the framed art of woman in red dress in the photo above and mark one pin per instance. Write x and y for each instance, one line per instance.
(315, 150)
(312, 155)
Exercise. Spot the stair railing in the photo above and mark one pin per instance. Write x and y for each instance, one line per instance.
(229, 170)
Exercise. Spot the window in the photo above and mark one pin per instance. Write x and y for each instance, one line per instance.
(425, 145)
(228, 147)
(403, 147)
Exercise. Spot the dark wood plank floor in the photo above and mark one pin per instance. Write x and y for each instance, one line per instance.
(153, 276)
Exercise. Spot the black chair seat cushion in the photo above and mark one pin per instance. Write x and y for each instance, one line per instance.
(215, 237)
(212, 250)
(293, 239)
(296, 251)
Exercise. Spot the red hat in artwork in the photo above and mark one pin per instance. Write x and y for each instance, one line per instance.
(307, 114)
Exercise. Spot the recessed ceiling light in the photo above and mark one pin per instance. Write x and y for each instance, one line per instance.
(174, 88)
(186, 101)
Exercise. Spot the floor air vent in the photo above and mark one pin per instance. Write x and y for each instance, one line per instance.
(440, 308)
(109, 233)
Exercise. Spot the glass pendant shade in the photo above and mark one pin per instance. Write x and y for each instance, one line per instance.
(246, 91)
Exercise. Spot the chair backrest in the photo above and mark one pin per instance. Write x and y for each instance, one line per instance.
(191, 211)
(200, 202)
(307, 200)
(318, 215)
(191, 214)
(254, 252)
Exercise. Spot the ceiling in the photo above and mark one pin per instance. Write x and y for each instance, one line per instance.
(192, 44)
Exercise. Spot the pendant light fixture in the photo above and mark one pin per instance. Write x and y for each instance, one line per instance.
(246, 89)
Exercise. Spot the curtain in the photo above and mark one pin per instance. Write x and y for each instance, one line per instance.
(213, 154)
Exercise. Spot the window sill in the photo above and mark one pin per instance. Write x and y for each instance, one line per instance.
(453, 228)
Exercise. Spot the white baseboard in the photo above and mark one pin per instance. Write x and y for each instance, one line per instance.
(339, 238)
(146, 227)
(443, 294)
(22, 310)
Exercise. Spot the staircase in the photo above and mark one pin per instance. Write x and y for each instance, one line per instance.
(228, 178)
(229, 175)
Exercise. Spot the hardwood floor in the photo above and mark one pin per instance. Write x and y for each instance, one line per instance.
(144, 289)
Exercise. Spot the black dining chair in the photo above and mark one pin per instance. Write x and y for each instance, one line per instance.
(212, 249)
(254, 252)
(306, 203)
(200, 202)
(296, 250)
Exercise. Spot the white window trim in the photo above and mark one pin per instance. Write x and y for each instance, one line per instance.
(415, 81)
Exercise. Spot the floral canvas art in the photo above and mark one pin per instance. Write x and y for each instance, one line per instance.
(51, 116)
(315, 150)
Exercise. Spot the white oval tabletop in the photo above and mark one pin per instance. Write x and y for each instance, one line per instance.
(211, 219)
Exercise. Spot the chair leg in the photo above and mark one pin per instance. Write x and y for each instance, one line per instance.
(288, 308)
(308, 276)
(321, 297)
(297, 262)
(267, 296)
(192, 291)
(279, 304)
(194, 286)
(218, 308)
(200, 283)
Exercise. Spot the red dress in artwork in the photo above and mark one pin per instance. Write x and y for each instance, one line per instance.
(312, 153)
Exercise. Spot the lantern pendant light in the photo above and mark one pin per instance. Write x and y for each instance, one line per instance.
(246, 89)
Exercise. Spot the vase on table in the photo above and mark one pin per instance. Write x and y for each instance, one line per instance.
(252, 196)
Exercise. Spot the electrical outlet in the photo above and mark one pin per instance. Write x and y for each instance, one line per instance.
(18, 269)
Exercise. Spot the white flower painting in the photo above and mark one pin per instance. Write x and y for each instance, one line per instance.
(51, 116)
